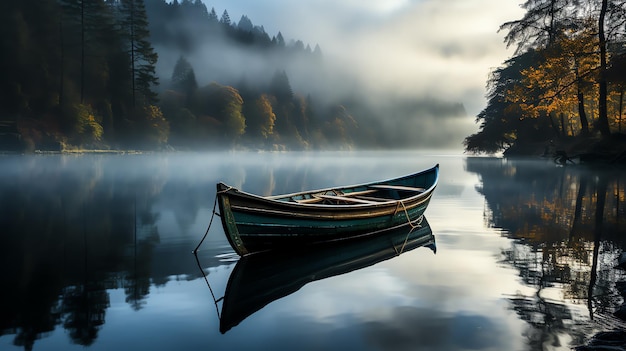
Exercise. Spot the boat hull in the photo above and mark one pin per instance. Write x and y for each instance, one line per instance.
(254, 223)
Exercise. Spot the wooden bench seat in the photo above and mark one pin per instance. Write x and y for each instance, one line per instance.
(398, 187)
(376, 199)
(309, 201)
(345, 198)
(320, 197)
(358, 193)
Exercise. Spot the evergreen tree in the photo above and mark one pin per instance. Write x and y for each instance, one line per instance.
(142, 56)
(225, 20)
(298, 45)
(317, 53)
(213, 15)
(280, 41)
(184, 78)
(281, 88)
(543, 22)
(245, 24)
(201, 9)
(29, 57)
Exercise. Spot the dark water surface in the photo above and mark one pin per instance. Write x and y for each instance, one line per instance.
(95, 253)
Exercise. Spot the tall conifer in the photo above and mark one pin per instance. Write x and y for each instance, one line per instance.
(142, 56)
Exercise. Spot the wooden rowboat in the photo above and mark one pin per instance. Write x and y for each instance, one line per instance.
(255, 223)
(260, 279)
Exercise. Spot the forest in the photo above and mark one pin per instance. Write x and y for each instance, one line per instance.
(119, 75)
(563, 89)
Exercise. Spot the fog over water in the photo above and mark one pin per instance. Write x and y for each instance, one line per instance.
(96, 252)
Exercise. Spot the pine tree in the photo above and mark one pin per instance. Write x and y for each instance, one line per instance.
(225, 20)
(213, 15)
(142, 56)
(201, 8)
(184, 78)
(543, 23)
(280, 40)
(281, 88)
(245, 24)
(317, 52)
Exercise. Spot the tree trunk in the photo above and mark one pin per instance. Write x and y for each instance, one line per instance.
(62, 66)
(584, 123)
(582, 190)
(600, 202)
(554, 125)
(621, 110)
(132, 51)
(82, 51)
(603, 119)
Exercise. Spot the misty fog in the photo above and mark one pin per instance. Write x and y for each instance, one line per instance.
(439, 116)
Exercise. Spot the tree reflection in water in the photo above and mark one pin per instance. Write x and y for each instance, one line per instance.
(567, 225)
(69, 235)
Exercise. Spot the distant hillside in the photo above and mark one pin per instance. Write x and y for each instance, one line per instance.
(222, 49)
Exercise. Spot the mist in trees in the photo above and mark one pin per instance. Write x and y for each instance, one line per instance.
(564, 80)
(152, 74)
(291, 96)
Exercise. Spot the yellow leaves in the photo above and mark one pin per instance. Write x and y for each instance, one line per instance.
(267, 116)
(156, 127)
(552, 84)
(87, 128)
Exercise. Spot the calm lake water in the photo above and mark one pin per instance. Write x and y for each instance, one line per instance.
(95, 252)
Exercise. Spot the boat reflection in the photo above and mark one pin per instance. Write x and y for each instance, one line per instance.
(262, 278)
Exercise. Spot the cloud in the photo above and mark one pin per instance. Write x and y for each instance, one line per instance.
(414, 47)
(414, 328)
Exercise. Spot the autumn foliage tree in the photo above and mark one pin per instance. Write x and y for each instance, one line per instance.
(224, 105)
(260, 118)
(565, 85)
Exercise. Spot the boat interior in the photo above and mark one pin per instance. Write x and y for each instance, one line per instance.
(371, 194)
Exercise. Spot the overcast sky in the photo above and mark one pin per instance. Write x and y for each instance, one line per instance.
(443, 48)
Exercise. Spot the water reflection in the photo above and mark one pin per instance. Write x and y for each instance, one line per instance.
(259, 279)
(568, 226)
(96, 251)
(75, 229)
(71, 231)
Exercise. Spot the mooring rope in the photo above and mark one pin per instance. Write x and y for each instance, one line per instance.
(211, 221)
(406, 239)
(417, 221)
(408, 219)
(207, 230)
(204, 274)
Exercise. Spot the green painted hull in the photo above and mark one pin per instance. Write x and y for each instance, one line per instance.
(254, 223)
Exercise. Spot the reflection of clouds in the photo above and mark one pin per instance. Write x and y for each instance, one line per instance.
(455, 279)
(413, 328)
(415, 301)
(346, 295)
